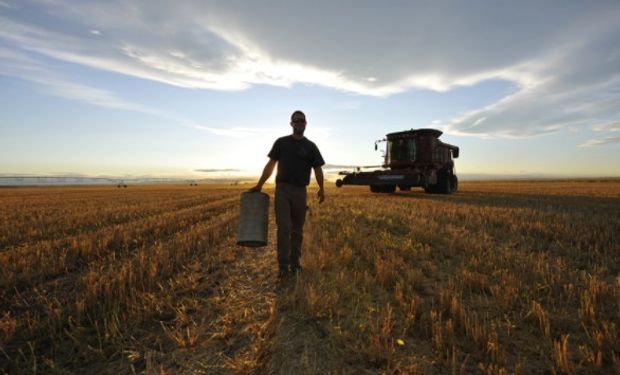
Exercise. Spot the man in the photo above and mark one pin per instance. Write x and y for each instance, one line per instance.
(295, 155)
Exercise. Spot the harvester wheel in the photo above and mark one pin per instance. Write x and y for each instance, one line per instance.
(454, 183)
(444, 183)
(339, 183)
(382, 188)
(388, 188)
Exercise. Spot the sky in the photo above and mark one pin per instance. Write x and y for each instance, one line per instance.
(203, 88)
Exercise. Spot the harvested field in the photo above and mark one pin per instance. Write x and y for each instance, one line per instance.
(499, 278)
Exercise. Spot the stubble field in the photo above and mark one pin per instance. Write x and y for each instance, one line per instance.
(499, 278)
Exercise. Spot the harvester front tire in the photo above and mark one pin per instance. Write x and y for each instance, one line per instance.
(389, 188)
(443, 182)
(382, 188)
(454, 183)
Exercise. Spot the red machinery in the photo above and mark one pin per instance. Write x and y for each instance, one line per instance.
(412, 158)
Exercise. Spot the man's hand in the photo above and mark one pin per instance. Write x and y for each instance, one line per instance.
(267, 171)
(321, 195)
(318, 173)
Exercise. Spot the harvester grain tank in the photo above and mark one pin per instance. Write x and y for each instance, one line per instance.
(413, 158)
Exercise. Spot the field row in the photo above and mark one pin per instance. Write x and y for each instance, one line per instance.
(475, 282)
(42, 260)
(57, 216)
(88, 299)
(499, 278)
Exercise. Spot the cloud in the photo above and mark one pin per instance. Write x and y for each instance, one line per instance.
(344, 166)
(20, 65)
(211, 170)
(563, 56)
(348, 105)
(600, 142)
(578, 89)
(610, 126)
(235, 131)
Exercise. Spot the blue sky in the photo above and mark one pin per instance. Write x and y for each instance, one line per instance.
(169, 88)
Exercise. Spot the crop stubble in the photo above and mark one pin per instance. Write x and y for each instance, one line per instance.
(502, 277)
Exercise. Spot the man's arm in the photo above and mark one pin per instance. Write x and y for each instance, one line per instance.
(267, 171)
(318, 174)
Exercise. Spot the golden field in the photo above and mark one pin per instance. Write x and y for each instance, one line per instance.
(499, 278)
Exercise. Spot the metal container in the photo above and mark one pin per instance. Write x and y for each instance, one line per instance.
(253, 219)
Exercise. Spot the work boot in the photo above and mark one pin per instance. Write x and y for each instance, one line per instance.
(296, 269)
(283, 272)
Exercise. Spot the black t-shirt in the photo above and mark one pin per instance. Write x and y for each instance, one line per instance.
(295, 159)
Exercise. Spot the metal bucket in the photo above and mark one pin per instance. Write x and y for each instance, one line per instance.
(253, 219)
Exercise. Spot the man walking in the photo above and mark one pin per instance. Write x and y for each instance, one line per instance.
(295, 155)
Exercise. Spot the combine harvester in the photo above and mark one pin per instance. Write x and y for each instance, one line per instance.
(412, 158)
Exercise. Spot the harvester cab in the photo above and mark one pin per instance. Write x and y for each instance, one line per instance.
(412, 158)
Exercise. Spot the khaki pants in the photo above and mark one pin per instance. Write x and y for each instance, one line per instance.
(290, 207)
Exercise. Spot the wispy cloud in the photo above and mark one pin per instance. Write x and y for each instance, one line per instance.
(345, 166)
(235, 131)
(609, 126)
(600, 142)
(52, 84)
(216, 170)
(22, 66)
(562, 56)
(348, 105)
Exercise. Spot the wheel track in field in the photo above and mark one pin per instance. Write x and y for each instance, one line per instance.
(85, 223)
(136, 212)
(233, 321)
(213, 232)
(235, 318)
(241, 322)
(26, 275)
(52, 283)
(92, 223)
(247, 323)
(52, 209)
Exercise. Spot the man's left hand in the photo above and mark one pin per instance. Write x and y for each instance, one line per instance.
(321, 195)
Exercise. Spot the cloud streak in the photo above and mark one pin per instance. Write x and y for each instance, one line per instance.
(216, 170)
(235, 132)
(22, 66)
(563, 56)
(347, 166)
(610, 126)
(601, 142)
